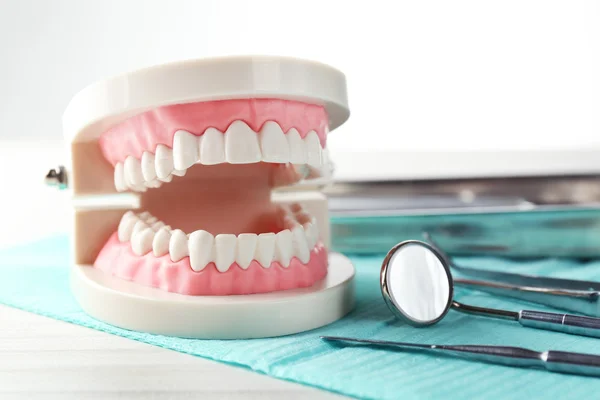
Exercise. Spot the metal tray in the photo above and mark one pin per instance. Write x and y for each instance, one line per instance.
(526, 217)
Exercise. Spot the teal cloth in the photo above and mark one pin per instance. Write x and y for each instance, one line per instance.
(34, 277)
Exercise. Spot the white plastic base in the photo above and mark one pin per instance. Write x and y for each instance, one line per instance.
(134, 307)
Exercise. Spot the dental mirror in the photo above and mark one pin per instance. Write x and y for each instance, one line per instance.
(417, 286)
(416, 283)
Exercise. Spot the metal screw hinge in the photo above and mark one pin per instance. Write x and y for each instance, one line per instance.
(57, 177)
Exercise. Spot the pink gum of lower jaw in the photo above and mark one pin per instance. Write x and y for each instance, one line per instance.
(145, 131)
(117, 258)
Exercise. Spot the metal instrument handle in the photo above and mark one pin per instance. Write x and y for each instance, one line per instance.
(579, 301)
(555, 361)
(568, 323)
(572, 363)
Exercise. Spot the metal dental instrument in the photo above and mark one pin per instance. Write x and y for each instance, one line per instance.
(554, 361)
(582, 297)
(417, 286)
(57, 177)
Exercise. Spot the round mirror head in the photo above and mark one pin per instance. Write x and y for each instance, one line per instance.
(416, 283)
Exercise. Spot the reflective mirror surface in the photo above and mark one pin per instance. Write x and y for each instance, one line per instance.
(417, 283)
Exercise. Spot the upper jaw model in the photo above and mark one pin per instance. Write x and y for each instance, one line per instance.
(182, 221)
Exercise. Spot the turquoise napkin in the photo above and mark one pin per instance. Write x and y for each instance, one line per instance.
(34, 277)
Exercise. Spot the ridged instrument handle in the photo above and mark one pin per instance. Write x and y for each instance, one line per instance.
(568, 323)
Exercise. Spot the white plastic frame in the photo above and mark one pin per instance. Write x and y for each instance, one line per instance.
(134, 307)
(104, 104)
(97, 208)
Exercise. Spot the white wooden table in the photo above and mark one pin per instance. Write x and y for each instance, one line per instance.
(41, 358)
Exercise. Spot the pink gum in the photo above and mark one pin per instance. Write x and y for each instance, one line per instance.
(145, 131)
(117, 258)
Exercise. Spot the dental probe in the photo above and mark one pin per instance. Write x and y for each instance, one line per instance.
(551, 360)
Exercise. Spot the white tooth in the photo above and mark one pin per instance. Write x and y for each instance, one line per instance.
(139, 188)
(312, 234)
(141, 242)
(225, 251)
(327, 167)
(303, 217)
(273, 144)
(185, 150)
(212, 147)
(297, 147)
(178, 245)
(138, 227)
(163, 160)
(160, 244)
(315, 232)
(120, 183)
(302, 170)
(300, 244)
(133, 171)
(167, 179)
(151, 221)
(246, 247)
(178, 172)
(283, 247)
(201, 249)
(126, 226)
(148, 169)
(144, 215)
(289, 221)
(313, 149)
(241, 144)
(265, 249)
(153, 184)
(157, 225)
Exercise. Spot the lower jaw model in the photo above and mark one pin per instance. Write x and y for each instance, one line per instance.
(206, 170)
(195, 209)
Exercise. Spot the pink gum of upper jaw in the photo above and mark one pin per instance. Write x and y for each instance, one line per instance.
(118, 259)
(145, 131)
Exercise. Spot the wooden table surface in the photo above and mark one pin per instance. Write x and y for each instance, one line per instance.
(41, 358)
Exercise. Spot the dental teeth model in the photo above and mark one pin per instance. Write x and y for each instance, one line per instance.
(182, 221)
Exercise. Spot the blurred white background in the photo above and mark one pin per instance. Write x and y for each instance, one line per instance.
(434, 86)
(444, 75)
